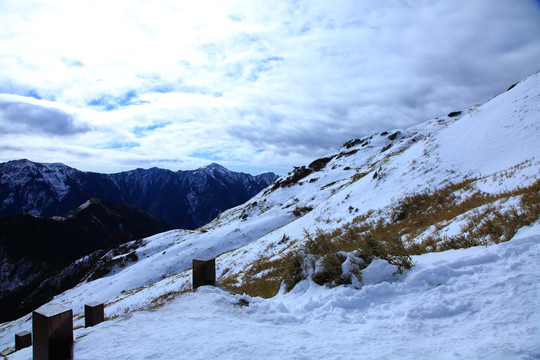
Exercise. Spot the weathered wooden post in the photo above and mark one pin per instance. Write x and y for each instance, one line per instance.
(93, 313)
(53, 333)
(204, 272)
(23, 340)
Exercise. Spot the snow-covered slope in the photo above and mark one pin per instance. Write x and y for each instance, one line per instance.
(477, 303)
(494, 146)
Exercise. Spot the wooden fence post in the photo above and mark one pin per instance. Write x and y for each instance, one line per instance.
(204, 272)
(23, 340)
(93, 314)
(53, 333)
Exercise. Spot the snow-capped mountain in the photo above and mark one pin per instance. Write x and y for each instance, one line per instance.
(184, 199)
(468, 178)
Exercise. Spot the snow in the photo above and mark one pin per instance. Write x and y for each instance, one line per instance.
(476, 303)
(85, 205)
(472, 303)
(491, 124)
(378, 271)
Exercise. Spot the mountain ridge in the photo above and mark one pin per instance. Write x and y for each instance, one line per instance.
(35, 250)
(184, 199)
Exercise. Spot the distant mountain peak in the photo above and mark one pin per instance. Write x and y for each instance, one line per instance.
(184, 199)
(216, 167)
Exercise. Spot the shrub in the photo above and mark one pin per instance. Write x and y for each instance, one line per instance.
(350, 152)
(331, 272)
(301, 210)
(349, 144)
(323, 251)
(265, 276)
(322, 254)
(489, 223)
(358, 175)
(394, 135)
(386, 148)
(294, 177)
(293, 270)
(319, 164)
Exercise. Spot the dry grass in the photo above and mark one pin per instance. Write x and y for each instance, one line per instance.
(165, 298)
(368, 240)
(358, 175)
(301, 210)
(263, 278)
(392, 238)
(8, 351)
(488, 224)
(494, 224)
(330, 271)
(264, 287)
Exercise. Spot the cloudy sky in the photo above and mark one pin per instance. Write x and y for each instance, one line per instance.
(254, 85)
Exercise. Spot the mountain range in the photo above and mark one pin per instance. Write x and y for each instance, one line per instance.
(184, 199)
(51, 217)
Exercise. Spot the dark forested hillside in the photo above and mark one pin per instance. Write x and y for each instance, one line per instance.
(33, 249)
(184, 199)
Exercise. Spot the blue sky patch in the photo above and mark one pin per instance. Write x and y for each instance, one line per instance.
(124, 145)
(207, 155)
(141, 130)
(33, 93)
(109, 102)
(9, 88)
(163, 88)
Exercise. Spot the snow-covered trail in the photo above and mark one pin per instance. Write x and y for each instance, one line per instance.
(476, 303)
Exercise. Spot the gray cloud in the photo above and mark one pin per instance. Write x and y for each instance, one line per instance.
(254, 81)
(20, 118)
(11, 148)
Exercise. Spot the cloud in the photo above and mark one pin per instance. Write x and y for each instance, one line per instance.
(22, 117)
(249, 82)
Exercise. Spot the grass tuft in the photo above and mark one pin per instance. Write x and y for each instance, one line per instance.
(393, 237)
